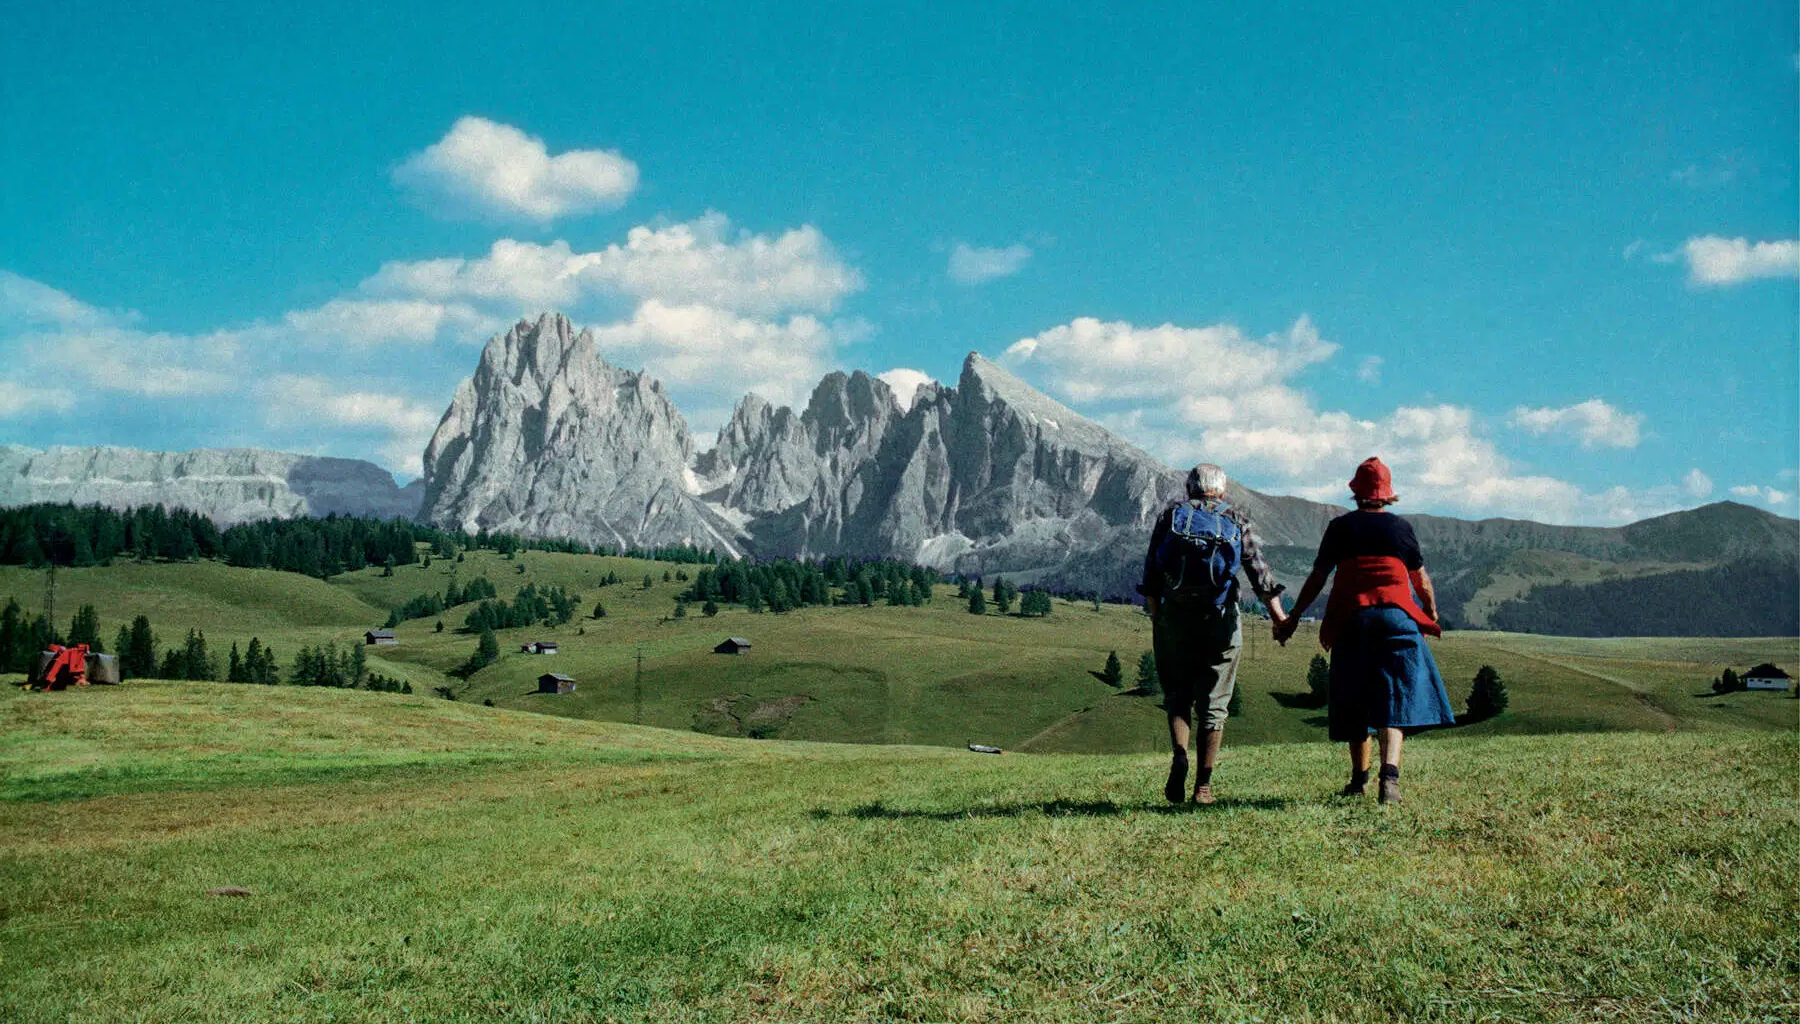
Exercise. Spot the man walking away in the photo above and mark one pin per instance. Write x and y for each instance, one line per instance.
(1190, 589)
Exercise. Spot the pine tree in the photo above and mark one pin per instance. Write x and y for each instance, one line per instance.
(137, 654)
(1318, 681)
(1147, 680)
(1487, 697)
(359, 664)
(599, 610)
(710, 608)
(647, 582)
(977, 603)
(85, 629)
(1114, 673)
(387, 567)
(234, 668)
(487, 649)
(681, 609)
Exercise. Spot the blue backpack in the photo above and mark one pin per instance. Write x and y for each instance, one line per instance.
(1199, 557)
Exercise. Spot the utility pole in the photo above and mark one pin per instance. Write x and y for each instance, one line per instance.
(50, 599)
(637, 698)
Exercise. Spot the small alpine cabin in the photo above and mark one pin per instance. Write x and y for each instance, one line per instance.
(732, 645)
(1766, 677)
(555, 682)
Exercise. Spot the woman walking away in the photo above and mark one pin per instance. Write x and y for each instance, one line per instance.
(1383, 677)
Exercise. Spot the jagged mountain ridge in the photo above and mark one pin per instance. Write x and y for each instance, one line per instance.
(985, 477)
(548, 440)
(228, 485)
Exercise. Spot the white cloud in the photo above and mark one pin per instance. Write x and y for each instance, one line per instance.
(1369, 370)
(366, 322)
(1088, 359)
(1594, 423)
(906, 383)
(25, 303)
(146, 364)
(1696, 484)
(492, 169)
(720, 355)
(293, 400)
(970, 265)
(699, 262)
(1213, 393)
(1767, 495)
(21, 399)
(1715, 262)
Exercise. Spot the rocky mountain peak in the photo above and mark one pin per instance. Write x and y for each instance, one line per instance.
(546, 439)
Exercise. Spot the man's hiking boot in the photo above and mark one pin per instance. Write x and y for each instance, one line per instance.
(1203, 794)
(1176, 787)
(1390, 791)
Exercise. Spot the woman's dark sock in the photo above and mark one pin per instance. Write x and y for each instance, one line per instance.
(1390, 771)
(1359, 776)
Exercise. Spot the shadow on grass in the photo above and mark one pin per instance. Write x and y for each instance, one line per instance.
(1048, 808)
(1304, 701)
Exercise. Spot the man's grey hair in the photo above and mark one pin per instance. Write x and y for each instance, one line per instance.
(1206, 481)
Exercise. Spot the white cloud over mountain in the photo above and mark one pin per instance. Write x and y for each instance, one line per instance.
(1216, 393)
(485, 168)
(906, 383)
(711, 310)
(402, 425)
(971, 265)
(1594, 423)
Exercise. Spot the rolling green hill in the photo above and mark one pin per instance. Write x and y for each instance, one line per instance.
(930, 675)
(406, 858)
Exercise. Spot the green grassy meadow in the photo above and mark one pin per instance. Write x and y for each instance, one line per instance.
(413, 859)
(934, 675)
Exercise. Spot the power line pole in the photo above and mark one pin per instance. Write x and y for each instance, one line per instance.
(50, 599)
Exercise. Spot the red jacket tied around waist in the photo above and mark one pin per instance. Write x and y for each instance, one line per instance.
(1365, 581)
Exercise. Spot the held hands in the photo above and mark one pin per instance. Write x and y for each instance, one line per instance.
(1284, 628)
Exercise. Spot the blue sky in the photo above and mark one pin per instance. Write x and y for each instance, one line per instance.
(1541, 257)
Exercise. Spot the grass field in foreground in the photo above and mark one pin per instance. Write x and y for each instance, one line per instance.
(414, 859)
(931, 675)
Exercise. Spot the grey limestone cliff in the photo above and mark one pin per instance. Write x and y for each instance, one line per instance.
(548, 440)
(228, 485)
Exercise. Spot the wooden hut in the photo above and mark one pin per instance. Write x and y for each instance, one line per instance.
(732, 645)
(555, 682)
(380, 637)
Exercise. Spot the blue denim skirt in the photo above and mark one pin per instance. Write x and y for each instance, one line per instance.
(1383, 676)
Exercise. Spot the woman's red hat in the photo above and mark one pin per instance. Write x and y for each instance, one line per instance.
(1373, 482)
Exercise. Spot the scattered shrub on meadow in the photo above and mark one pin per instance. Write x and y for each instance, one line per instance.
(1148, 682)
(1113, 674)
(1487, 697)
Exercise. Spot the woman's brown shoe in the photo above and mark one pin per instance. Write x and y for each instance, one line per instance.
(1390, 791)
(1203, 794)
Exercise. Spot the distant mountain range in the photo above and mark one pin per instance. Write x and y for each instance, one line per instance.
(985, 478)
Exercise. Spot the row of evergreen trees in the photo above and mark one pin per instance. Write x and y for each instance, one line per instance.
(424, 606)
(550, 606)
(1032, 603)
(71, 535)
(781, 584)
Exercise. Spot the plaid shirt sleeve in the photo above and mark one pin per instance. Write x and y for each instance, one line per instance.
(1256, 567)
